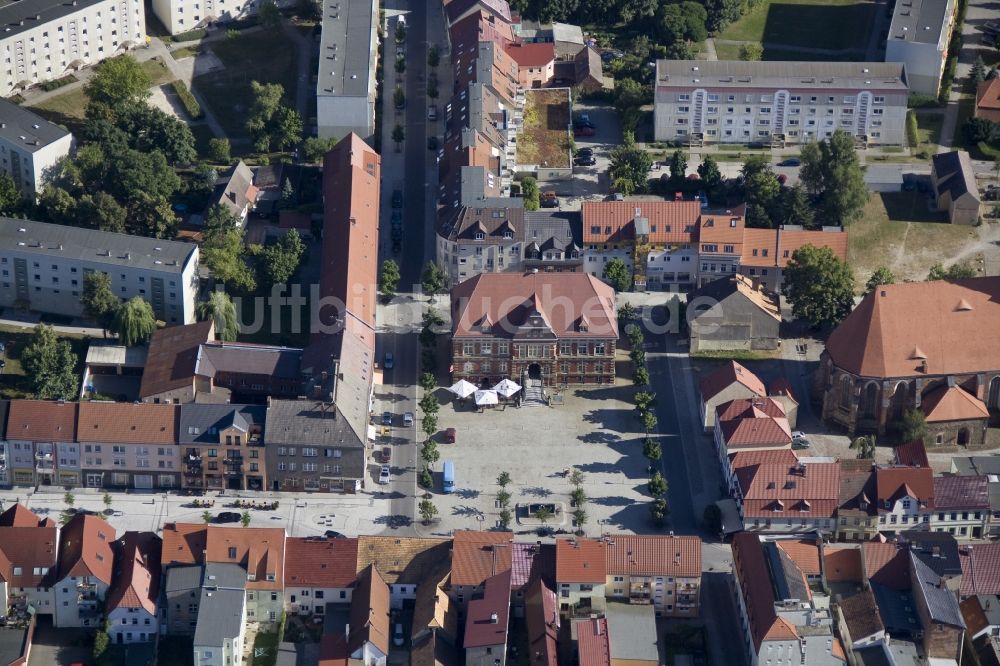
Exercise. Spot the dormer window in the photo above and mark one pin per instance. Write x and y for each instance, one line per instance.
(509, 235)
(232, 552)
(270, 576)
(583, 328)
(251, 576)
(480, 235)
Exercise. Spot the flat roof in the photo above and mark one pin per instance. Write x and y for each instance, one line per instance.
(103, 247)
(345, 48)
(17, 16)
(105, 354)
(736, 74)
(25, 129)
(918, 21)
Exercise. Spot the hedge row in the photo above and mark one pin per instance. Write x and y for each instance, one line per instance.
(58, 83)
(189, 36)
(912, 134)
(187, 99)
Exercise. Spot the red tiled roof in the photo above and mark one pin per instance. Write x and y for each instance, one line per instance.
(750, 457)
(614, 221)
(892, 482)
(807, 490)
(961, 492)
(773, 248)
(954, 334)
(751, 573)
(369, 614)
(723, 230)
(481, 629)
(861, 615)
(980, 569)
(974, 616)
(137, 574)
(580, 561)
(477, 556)
(259, 550)
(653, 555)
(172, 357)
(952, 403)
(530, 561)
(139, 423)
(886, 564)
(183, 543)
(803, 552)
(749, 408)
(42, 421)
(753, 423)
(479, 26)
(843, 564)
(26, 542)
(779, 386)
(19, 515)
(326, 563)
(333, 650)
(592, 642)
(85, 548)
(912, 454)
(532, 54)
(988, 96)
(541, 615)
(730, 373)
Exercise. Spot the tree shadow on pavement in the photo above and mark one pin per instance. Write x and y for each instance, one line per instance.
(537, 491)
(394, 521)
(599, 437)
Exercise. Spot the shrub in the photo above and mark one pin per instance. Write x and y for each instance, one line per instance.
(189, 36)
(912, 134)
(57, 83)
(922, 101)
(187, 99)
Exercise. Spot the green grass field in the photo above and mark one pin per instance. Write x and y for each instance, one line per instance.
(822, 24)
(266, 56)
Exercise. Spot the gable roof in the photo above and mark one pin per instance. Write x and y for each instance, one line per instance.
(952, 403)
(402, 560)
(200, 423)
(615, 221)
(980, 569)
(369, 614)
(581, 561)
(27, 542)
(941, 602)
(235, 190)
(988, 96)
(137, 573)
(432, 609)
(886, 564)
(861, 615)
(892, 483)
(807, 489)
(738, 286)
(42, 420)
(320, 562)
(751, 457)
(532, 54)
(752, 575)
(727, 375)
(961, 492)
(85, 548)
(570, 305)
(486, 621)
(259, 550)
(19, 515)
(653, 555)
(955, 175)
(530, 561)
(881, 337)
(843, 564)
(592, 641)
(541, 615)
(183, 543)
(753, 423)
(912, 454)
(477, 556)
(144, 422)
(172, 357)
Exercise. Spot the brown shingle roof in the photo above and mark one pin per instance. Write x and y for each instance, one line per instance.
(315, 562)
(974, 616)
(857, 488)
(402, 560)
(892, 482)
(369, 615)
(140, 423)
(730, 373)
(486, 623)
(572, 305)
(477, 556)
(259, 550)
(137, 574)
(751, 573)
(85, 548)
(580, 561)
(173, 355)
(961, 492)
(653, 555)
(952, 403)
(42, 421)
(980, 569)
(861, 615)
(954, 334)
(614, 221)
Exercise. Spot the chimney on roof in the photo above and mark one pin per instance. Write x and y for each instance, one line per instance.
(678, 196)
(493, 618)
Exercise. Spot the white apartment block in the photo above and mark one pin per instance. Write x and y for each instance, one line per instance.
(47, 39)
(345, 82)
(918, 37)
(179, 16)
(42, 267)
(779, 103)
(30, 146)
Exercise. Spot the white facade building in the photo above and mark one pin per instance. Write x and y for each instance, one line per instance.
(48, 39)
(179, 16)
(30, 146)
(699, 101)
(42, 266)
(918, 37)
(345, 82)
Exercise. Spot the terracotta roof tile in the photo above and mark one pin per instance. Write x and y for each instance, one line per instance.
(723, 230)
(779, 386)
(754, 425)
(751, 573)
(402, 560)
(531, 561)
(85, 548)
(892, 482)
(27, 542)
(173, 355)
(183, 543)
(259, 550)
(532, 54)
(803, 552)
(316, 562)
(19, 515)
(843, 564)
(980, 569)
(614, 221)
(580, 561)
(952, 404)
(481, 629)
(880, 336)
(139, 423)
(974, 616)
(806, 490)
(592, 642)
(369, 614)
(790, 240)
(750, 457)
(861, 615)
(886, 564)
(988, 96)
(541, 615)
(857, 488)
(653, 555)
(137, 573)
(912, 454)
(42, 420)
(477, 556)
(724, 377)
(961, 492)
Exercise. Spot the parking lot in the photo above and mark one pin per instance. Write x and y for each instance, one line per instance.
(595, 430)
(590, 182)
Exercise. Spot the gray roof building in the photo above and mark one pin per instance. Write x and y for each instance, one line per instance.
(345, 80)
(941, 602)
(632, 632)
(975, 465)
(199, 423)
(182, 578)
(18, 17)
(308, 422)
(20, 126)
(235, 190)
(955, 176)
(740, 75)
(919, 20)
(220, 612)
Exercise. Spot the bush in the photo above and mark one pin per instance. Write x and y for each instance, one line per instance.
(189, 36)
(57, 83)
(187, 99)
(922, 101)
(912, 135)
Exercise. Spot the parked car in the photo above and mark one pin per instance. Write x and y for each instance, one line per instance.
(386, 454)
(585, 160)
(227, 517)
(432, 143)
(386, 418)
(583, 131)
(549, 200)
(397, 635)
(407, 419)
(799, 440)
(790, 162)
(333, 534)
(432, 112)
(615, 196)
(583, 152)
(991, 27)
(449, 436)
(397, 198)
(388, 362)
(384, 474)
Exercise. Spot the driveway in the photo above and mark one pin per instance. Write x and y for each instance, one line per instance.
(592, 181)
(59, 647)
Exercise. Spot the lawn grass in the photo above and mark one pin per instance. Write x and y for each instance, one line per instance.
(267, 644)
(185, 52)
(265, 56)
(966, 108)
(14, 383)
(157, 71)
(929, 125)
(824, 24)
(544, 137)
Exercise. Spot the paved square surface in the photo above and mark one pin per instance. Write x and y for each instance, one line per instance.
(595, 430)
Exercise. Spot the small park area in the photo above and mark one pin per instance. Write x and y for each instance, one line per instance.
(790, 28)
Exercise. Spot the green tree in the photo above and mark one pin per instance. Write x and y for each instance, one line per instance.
(315, 148)
(626, 313)
(882, 275)
(101, 643)
(56, 205)
(577, 477)
(819, 286)
(709, 173)
(268, 14)
(503, 479)
(959, 271)
(681, 22)
(913, 425)
(11, 199)
(712, 518)
(578, 496)
(429, 404)
(979, 130)
(286, 128)
(629, 166)
(530, 193)
(432, 278)
(426, 478)
(648, 421)
(399, 98)
(99, 300)
(245, 519)
(429, 425)
(108, 500)
(427, 511)
(652, 449)
(429, 451)
(978, 72)
(751, 51)
(152, 216)
(644, 400)
(433, 56)
(134, 321)
(761, 190)
(503, 498)
(657, 485)
(280, 260)
(427, 381)
(641, 376)
(543, 514)
(287, 193)
(101, 211)
(148, 128)
(636, 338)
(224, 257)
(266, 102)
(658, 510)
(721, 13)
(118, 83)
(678, 167)
(398, 135)
(629, 97)
(638, 357)
(580, 517)
(506, 518)
(865, 446)
(219, 308)
(50, 365)
(206, 516)
(389, 279)
(796, 207)
(219, 221)
(618, 275)
(833, 175)
(69, 499)
(219, 151)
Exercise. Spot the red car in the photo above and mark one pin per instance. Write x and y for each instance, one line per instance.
(386, 454)
(449, 436)
(583, 131)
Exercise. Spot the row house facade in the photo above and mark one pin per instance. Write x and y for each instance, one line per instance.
(128, 445)
(30, 545)
(553, 328)
(35, 431)
(86, 567)
(664, 571)
(222, 447)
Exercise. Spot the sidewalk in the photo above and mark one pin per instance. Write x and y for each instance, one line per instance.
(29, 321)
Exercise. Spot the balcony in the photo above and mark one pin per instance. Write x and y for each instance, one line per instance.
(233, 465)
(43, 457)
(45, 468)
(84, 585)
(86, 598)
